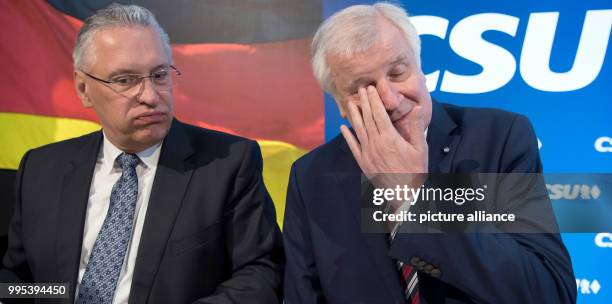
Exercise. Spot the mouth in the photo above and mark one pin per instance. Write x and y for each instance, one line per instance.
(151, 117)
(401, 117)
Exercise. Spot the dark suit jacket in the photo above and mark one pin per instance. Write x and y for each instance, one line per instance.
(329, 260)
(210, 233)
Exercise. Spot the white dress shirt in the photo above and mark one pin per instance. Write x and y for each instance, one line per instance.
(105, 175)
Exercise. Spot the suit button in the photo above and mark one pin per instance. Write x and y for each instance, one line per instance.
(415, 261)
(420, 265)
(435, 272)
(428, 268)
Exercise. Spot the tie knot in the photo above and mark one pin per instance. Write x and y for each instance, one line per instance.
(127, 160)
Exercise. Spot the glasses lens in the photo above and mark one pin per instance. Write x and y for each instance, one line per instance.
(161, 78)
(165, 80)
(124, 83)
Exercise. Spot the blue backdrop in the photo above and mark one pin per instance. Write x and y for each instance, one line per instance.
(550, 61)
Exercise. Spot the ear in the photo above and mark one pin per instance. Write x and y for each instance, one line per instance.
(81, 88)
(340, 105)
(340, 102)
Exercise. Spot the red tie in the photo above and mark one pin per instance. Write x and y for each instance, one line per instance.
(409, 276)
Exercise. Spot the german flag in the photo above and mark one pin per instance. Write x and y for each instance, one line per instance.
(245, 71)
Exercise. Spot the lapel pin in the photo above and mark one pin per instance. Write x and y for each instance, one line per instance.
(446, 149)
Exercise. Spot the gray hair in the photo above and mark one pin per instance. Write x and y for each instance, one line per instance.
(112, 16)
(355, 30)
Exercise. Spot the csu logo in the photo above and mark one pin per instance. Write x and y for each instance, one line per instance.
(572, 192)
(603, 240)
(499, 65)
(603, 144)
(588, 287)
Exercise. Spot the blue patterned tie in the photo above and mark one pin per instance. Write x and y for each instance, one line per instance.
(102, 272)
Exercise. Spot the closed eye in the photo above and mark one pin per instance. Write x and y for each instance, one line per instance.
(399, 75)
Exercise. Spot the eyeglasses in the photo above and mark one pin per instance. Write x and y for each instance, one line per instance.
(163, 80)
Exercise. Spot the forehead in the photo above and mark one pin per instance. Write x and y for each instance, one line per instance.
(134, 47)
(389, 47)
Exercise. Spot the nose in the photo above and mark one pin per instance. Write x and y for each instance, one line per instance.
(389, 95)
(147, 92)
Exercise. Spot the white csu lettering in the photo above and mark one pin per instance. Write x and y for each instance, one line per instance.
(499, 65)
(603, 240)
(603, 144)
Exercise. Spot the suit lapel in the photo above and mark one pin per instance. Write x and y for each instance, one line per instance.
(442, 141)
(74, 195)
(348, 176)
(174, 171)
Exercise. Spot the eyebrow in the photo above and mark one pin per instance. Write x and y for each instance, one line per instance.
(133, 72)
(399, 59)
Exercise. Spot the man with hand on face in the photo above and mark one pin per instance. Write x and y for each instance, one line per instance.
(147, 210)
(367, 57)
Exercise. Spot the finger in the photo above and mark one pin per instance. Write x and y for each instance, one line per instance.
(352, 143)
(416, 126)
(381, 118)
(366, 112)
(357, 121)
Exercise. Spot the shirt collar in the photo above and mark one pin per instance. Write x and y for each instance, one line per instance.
(109, 153)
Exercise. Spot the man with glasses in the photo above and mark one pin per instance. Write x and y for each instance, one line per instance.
(147, 210)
